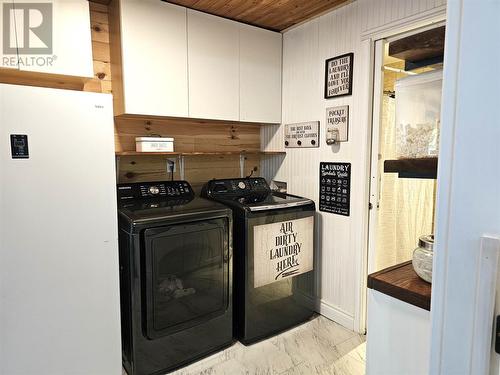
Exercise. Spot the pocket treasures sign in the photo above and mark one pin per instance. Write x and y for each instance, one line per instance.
(337, 124)
(283, 250)
(338, 76)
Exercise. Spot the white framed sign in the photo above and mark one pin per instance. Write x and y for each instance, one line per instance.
(338, 76)
(337, 124)
(283, 250)
(302, 135)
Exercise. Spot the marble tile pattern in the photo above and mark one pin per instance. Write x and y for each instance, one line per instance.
(318, 347)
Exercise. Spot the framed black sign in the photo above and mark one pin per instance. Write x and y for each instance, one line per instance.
(338, 76)
(335, 188)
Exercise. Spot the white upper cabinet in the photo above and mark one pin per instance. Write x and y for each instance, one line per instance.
(177, 62)
(53, 36)
(213, 54)
(154, 58)
(260, 75)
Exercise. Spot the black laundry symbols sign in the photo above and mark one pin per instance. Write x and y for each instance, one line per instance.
(282, 250)
(335, 188)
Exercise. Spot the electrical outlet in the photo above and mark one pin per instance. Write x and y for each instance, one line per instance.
(171, 164)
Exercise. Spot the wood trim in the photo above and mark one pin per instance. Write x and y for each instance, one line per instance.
(22, 77)
(115, 47)
(401, 282)
(214, 153)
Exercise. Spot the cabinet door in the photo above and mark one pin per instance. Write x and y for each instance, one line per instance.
(154, 58)
(54, 37)
(213, 50)
(8, 41)
(260, 75)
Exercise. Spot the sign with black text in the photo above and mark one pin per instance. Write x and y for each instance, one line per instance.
(337, 124)
(302, 135)
(335, 188)
(338, 76)
(283, 250)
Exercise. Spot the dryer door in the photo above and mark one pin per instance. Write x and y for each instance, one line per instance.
(186, 275)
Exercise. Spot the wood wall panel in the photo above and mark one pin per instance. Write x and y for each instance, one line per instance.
(190, 135)
(268, 14)
(100, 49)
(198, 169)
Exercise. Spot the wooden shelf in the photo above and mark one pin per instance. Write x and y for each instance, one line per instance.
(418, 50)
(188, 120)
(401, 282)
(215, 153)
(21, 77)
(412, 168)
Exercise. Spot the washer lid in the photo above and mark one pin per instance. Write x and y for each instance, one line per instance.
(276, 202)
(137, 212)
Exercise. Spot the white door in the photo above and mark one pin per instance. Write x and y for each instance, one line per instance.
(260, 75)
(468, 206)
(59, 288)
(154, 58)
(213, 59)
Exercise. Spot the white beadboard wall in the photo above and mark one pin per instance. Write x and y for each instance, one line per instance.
(342, 241)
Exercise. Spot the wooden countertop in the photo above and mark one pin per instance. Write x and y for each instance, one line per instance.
(401, 282)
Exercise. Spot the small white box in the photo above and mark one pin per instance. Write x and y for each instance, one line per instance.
(154, 144)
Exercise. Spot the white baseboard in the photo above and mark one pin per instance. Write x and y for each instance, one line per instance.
(335, 314)
(327, 310)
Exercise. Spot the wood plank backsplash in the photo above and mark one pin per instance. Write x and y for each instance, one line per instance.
(100, 49)
(190, 135)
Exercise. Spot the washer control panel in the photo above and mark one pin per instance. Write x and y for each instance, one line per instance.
(163, 189)
(238, 187)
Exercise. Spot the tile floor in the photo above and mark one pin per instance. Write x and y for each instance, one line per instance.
(318, 347)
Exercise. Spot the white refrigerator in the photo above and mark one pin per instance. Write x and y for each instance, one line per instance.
(59, 276)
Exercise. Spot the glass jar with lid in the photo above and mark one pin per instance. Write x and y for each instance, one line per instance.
(422, 257)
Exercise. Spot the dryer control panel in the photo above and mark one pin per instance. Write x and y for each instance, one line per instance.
(161, 189)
